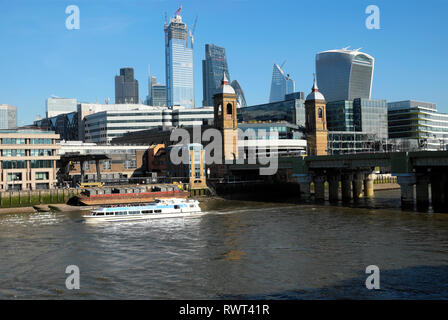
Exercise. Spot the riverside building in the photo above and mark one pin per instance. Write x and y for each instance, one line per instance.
(28, 159)
(418, 124)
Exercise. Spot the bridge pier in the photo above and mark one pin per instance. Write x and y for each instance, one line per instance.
(422, 190)
(83, 172)
(319, 188)
(357, 185)
(439, 192)
(406, 183)
(369, 192)
(346, 181)
(304, 182)
(333, 187)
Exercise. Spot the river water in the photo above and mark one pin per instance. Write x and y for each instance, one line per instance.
(241, 250)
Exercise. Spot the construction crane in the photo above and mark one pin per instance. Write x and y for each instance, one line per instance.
(193, 29)
(178, 11)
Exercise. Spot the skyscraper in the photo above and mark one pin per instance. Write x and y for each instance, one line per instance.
(126, 87)
(178, 64)
(240, 98)
(8, 116)
(281, 84)
(156, 93)
(56, 106)
(344, 74)
(213, 68)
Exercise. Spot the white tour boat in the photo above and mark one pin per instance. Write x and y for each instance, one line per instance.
(160, 208)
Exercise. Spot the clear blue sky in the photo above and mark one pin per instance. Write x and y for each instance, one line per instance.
(40, 57)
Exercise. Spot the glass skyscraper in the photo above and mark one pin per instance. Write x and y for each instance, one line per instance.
(178, 64)
(240, 98)
(126, 87)
(344, 74)
(281, 84)
(213, 69)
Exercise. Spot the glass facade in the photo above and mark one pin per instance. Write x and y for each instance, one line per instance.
(360, 115)
(344, 74)
(213, 69)
(281, 85)
(240, 98)
(292, 111)
(418, 121)
(57, 106)
(178, 64)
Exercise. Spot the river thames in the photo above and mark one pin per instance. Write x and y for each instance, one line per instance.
(240, 250)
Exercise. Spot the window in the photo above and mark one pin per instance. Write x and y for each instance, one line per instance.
(13, 140)
(42, 176)
(147, 211)
(41, 152)
(320, 113)
(41, 163)
(13, 153)
(14, 164)
(157, 211)
(41, 141)
(15, 176)
(229, 109)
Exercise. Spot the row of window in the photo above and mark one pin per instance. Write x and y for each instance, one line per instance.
(17, 176)
(21, 164)
(22, 152)
(23, 141)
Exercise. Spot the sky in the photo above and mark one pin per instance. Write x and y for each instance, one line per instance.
(40, 57)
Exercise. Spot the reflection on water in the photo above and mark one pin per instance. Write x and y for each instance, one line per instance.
(240, 250)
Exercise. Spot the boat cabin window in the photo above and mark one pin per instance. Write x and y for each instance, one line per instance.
(109, 213)
(176, 207)
(134, 212)
(121, 213)
(157, 211)
(146, 211)
(191, 205)
(99, 214)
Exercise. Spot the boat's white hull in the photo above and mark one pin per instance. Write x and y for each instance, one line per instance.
(137, 217)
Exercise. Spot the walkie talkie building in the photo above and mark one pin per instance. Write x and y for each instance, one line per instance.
(344, 74)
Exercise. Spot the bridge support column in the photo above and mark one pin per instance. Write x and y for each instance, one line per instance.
(346, 181)
(406, 183)
(319, 188)
(369, 192)
(304, 182)
(438, 191)
(357, 185)
(83, 173)
(98, 170)
(422, 190)
(333, 187)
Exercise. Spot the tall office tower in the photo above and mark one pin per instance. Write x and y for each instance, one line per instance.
(344, 74)
(56, 106)
(178, 64)
(213, 68)
(240, 98)
(151, 81)
(156, 93)
(281, 84)
(158, 98)
(126, 87)
(8, 116)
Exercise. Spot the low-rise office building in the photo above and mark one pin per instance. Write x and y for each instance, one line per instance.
(8, 117)
(420, 123)
(28, 159)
